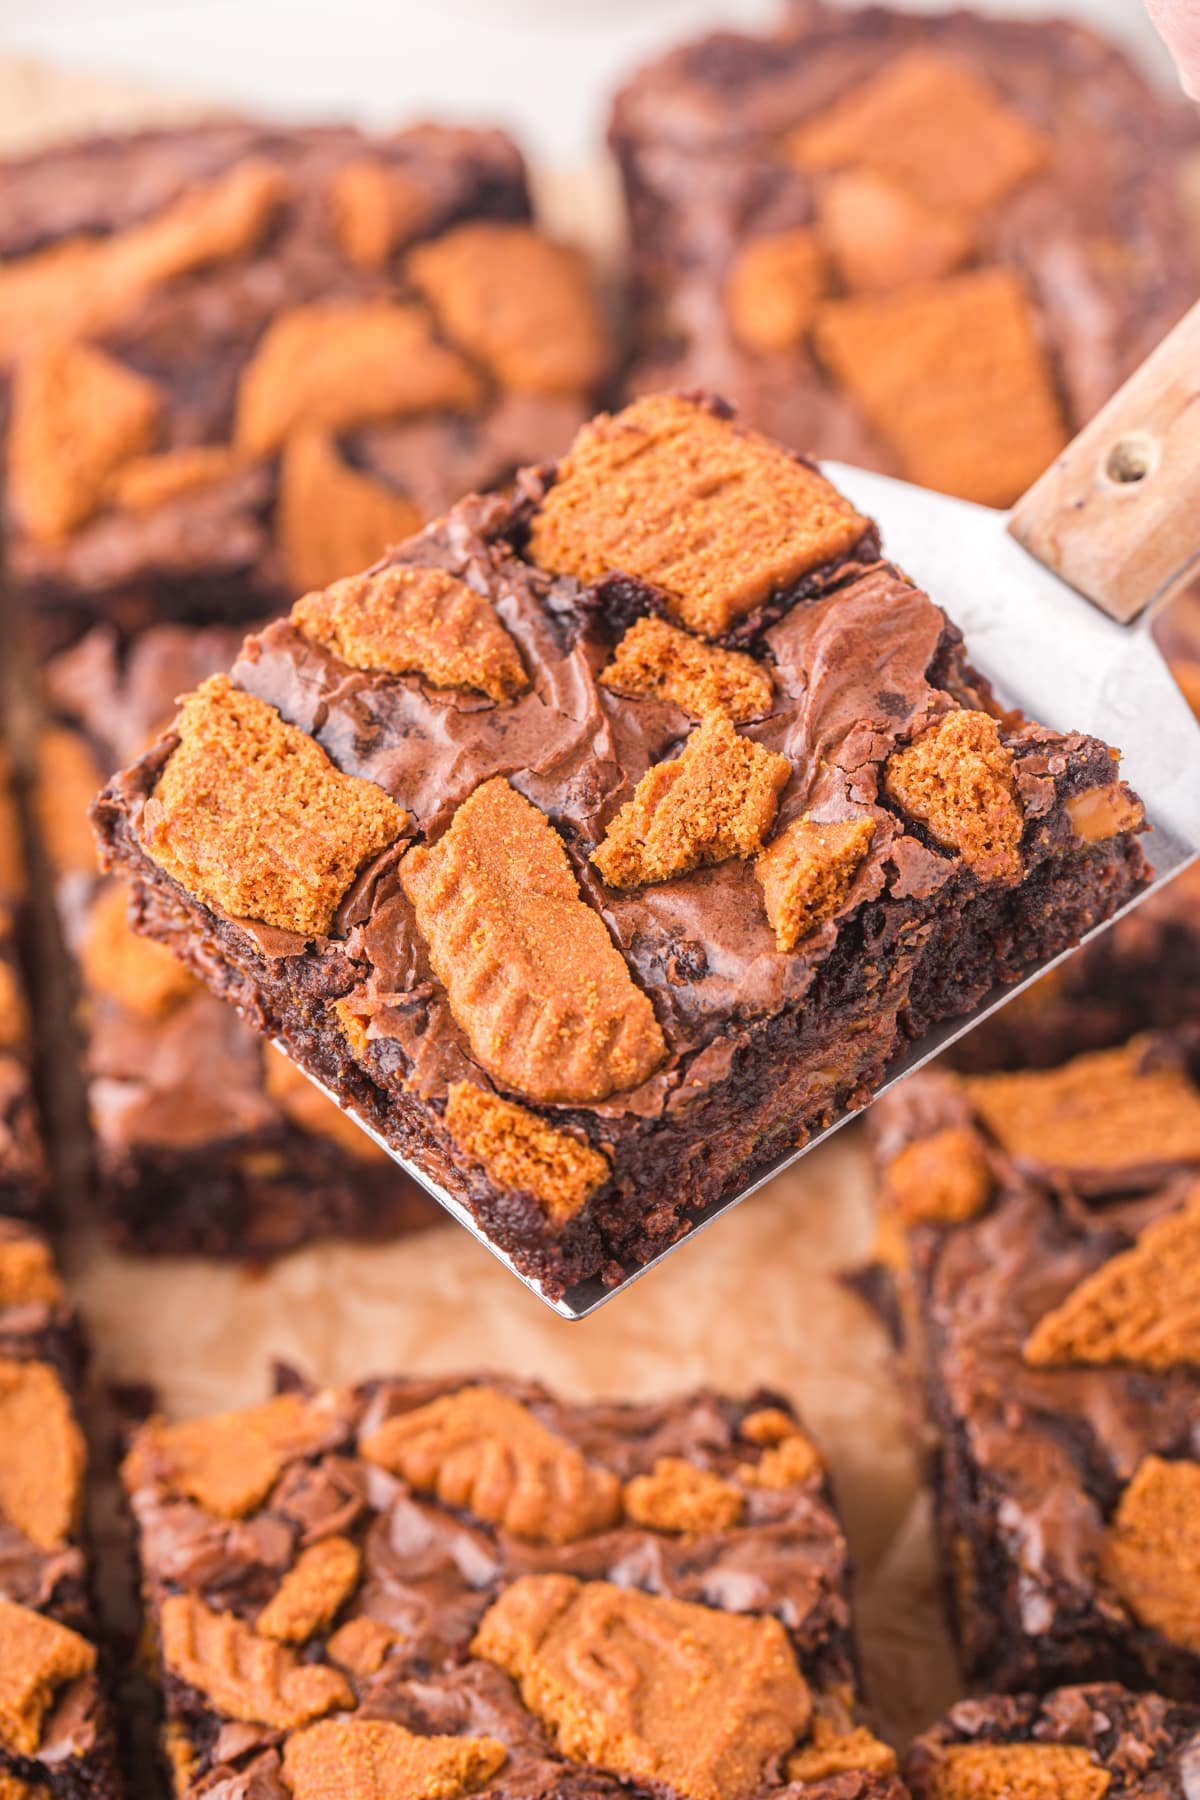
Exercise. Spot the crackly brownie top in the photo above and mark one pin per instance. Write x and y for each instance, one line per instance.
(1052, 1222)
(208, 330)
(49, 1698)
(874, 232)
(442, 1587)
(1076, 1743)
(562, 812)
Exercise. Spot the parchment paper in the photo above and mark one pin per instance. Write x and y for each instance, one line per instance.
(754, 1300)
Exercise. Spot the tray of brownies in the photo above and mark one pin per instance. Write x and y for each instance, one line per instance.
(475, 797)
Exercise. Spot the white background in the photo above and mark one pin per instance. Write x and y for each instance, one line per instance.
(544, 68)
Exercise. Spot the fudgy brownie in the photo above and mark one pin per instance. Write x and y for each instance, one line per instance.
(245, 359)
(443, 1587)
(927, 244)
(609, 837)
(56, 1739)
(1040, 1246)
(1099, 1742)
(206, 1138)
(22, 1166)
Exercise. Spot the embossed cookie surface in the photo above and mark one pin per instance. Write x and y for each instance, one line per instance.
(251, 816)
(716, 517)
(533, 978)
(230, 1461)
(483, 1451)
(416, 621)
(653, 1689)
(245, 1676)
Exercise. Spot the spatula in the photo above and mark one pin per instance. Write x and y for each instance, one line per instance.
(1055, 600)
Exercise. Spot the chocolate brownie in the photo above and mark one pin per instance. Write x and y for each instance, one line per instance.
(206, 1139)
(56, 1740)
(927, 244)
(22, 1166)
(1078, 1743)
(439, 1587)
(1040, 1246)
(245, 359)
(478, 836)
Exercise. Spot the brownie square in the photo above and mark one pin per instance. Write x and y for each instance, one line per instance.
(881, 234)
(1077, 1742)
(55, 1729)
(1040, 1251)
(206, 1138)
(244, 359)
(478, 837)
(474, 1587)
(22, 1165)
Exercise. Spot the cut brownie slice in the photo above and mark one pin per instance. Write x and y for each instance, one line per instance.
(245, 359)
(55, 1730)
(22, 1166)
(477, 1588)
(1077, 1743)
(512, 882)
(1040, 1239)
(206, 1138)
(879, 234)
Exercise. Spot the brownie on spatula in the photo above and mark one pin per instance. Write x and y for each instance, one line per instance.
(609, 838)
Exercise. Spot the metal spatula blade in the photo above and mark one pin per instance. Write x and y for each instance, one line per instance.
(1119, 518)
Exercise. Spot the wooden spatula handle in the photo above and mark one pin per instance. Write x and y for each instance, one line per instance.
(1118, 514)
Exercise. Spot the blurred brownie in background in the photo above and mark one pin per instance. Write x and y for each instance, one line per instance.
(1142, 974)
(1039, 1254)
(22, 1167)
(241, 360)
(929, 245)
(434, 1588)
(207, 1139)
(56, 1738)
(1077, 1743)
